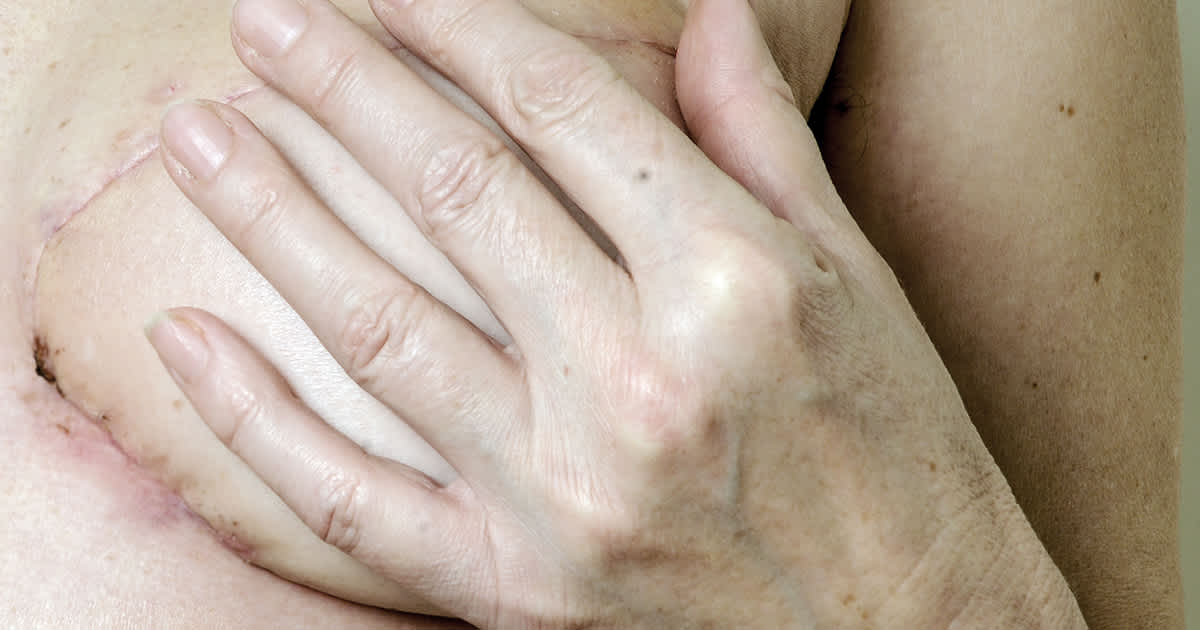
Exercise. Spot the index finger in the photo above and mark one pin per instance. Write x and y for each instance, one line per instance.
(624, 162)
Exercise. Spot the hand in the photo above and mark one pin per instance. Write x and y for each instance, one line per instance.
(742, 424)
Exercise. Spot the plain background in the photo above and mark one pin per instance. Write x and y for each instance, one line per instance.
(1189, 19)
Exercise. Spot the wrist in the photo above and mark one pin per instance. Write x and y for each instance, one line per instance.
(988, 571)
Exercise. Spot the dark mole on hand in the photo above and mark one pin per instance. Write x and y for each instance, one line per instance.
(1069, 110)
(643, 175)
(1096, 277)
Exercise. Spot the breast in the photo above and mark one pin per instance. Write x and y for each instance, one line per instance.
(138, 246)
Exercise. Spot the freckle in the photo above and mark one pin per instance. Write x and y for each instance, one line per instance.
(62, 427)
(1145, 357)
(932, 466)
(1035, 385)
(566, 370)
(1096, 277)
(643, 175)
(53, 65)
(177, 404)
(1070, 111)
(104, 419)
(848, 599)
(7, 50)
(64, 123)
(27, 130)
(1062, 108)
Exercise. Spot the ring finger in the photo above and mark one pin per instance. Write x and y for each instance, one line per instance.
(537, 269)
(411, 351)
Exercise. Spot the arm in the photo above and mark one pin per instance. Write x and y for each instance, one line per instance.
(1020, 166)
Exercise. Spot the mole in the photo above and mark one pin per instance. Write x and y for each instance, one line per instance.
(1096, 277)
(643, 175)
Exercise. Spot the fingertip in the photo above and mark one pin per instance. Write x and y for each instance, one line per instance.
(181, 344)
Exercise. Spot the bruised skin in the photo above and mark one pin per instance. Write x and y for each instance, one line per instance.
(140, 247)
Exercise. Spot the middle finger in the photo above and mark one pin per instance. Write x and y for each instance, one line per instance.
(532, 263)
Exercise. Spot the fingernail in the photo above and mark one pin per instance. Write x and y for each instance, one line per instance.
(197, 138)
(180, 344)
(269, 26)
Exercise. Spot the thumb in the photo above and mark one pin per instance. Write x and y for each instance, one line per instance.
(741, 112)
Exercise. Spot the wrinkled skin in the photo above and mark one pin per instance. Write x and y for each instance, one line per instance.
(630, 457)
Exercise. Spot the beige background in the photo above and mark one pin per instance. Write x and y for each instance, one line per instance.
(1189, 14)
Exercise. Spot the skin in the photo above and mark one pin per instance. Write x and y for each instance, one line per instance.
(757, 321)
(1033, 211)
(1093, 464)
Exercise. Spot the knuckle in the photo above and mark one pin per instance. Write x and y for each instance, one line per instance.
(332, 81)
(666, 419)
(772, 284)
(341, 501)
(459, 181)
(246, 410)
(379, 334)
(555, 90)
(445, 32)
(261, 211)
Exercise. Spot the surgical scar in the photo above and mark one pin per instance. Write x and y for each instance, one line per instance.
(41, 358)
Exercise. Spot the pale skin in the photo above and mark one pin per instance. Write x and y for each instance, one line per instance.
(997, 161)
(759, 320)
